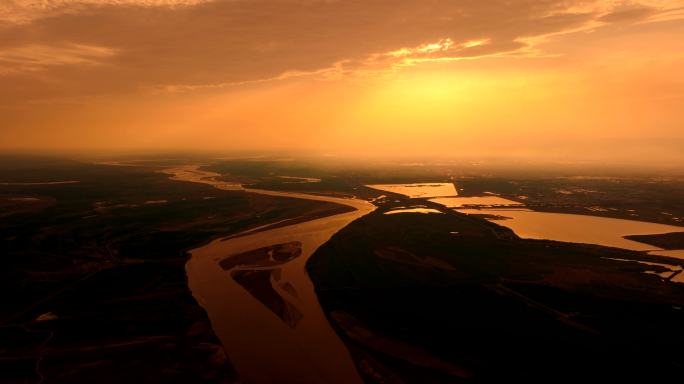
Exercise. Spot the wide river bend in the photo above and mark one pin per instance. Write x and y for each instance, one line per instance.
(262, 346)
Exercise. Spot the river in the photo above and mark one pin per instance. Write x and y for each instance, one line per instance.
(300, 347)
(573, 228)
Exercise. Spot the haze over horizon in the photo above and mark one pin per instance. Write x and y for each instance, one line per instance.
(573, 80)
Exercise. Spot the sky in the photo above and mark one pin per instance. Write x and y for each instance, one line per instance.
(565, 80)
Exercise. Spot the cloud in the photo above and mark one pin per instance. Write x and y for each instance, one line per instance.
(196, 44)
(23, 11)
(37, 57)
(628, 14)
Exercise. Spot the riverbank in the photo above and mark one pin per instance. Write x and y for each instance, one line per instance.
(494, 307)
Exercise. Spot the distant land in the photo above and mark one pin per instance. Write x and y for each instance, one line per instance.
(153, 263)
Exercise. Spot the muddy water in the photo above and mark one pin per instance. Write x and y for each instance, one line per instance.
(418, 190)
(482, 201)
(263, 345)
(577, 228)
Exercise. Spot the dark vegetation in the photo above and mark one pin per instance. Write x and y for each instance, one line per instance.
(672, 240)
(93, 284)
(496, 308)
(93, 281)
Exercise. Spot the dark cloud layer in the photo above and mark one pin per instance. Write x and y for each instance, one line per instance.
(100, 48)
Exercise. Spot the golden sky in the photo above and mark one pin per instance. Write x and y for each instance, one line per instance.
(541, 78)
